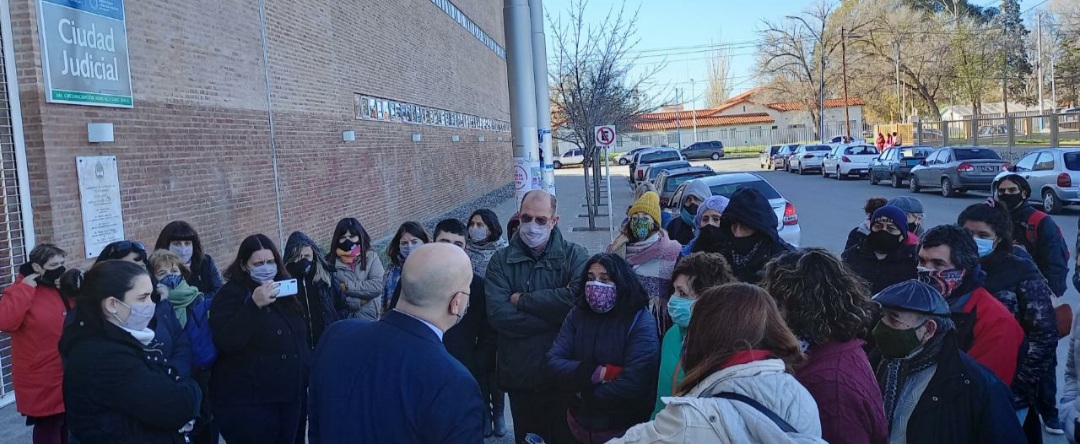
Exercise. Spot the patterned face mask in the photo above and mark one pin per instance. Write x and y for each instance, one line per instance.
(944, 281)
(600, 296)
(640, 227)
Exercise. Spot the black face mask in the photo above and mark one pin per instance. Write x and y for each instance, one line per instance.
(49, 277)
(347, 245)
(883, 241)
(692, 208)
(745, 244)
(300, 268)
(1012, 201)
(711, 239)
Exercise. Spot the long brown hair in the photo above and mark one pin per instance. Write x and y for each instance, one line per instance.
(729, 319)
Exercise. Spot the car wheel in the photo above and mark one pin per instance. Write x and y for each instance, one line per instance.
(623, 161)
(897, 182)
(873, 178)
(1051, 203)
(913, 184)
(839, 174)
(802, 170)
(715, 156)
(824, 173)
(557, 164)
(947, 189)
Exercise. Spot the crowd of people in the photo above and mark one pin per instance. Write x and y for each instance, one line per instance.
(707, 327)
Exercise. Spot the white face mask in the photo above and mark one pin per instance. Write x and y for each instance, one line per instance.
(478, 234)
(534, 235)
(183, 251)
(140, 316)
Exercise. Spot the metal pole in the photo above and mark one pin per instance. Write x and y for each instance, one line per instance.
(1053, 86)
(1039, 65)
(899, 106)
(521, 83)
(610, 212)
(543, 100)
(843, 56)
(270, 119)
(693, 108)
(678, 119)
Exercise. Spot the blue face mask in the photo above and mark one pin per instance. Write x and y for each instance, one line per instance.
(680, 308)
(986, 246)
(172, 281)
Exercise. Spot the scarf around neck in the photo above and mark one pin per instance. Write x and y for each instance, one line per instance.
(144, 336)
(350, 257)
(893, 374)
(653, 247)
(180, 298)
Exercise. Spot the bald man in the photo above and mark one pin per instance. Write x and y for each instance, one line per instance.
(392, 380)
(530, 288)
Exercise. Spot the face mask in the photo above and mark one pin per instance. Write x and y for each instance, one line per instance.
(883, 241)
(680, 308)
(688, 212)
(478, 234)
(944, 281)
(299, 268)
(347, 245)
(986, 246)
(407, 250)
(534, 235)
(639, 228)
(894, 343)
(600, 296)
(1011, 201)
(183, 251)
(172, 281)
(263, 273)
(49, 277)
(140, 316)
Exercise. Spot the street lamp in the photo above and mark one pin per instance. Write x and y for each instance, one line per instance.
(821, 55)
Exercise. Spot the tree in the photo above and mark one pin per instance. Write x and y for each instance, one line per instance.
(592, 83)
(719, 77)
(1015, 67)
(973, 57)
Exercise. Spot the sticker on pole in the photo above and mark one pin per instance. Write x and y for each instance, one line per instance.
(605, 135)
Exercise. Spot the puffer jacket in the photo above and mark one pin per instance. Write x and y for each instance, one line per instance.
(588, 340)
(1069, 408)
(548, 286)
(1019, 286)
(34, 317)
(1051, 253)
(748, 207)
(697, 417)
(897, 266)
(362, 287)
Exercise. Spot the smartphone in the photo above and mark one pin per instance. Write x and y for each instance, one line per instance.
(286, 288)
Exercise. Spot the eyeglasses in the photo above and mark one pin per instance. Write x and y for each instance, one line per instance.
(541, 221)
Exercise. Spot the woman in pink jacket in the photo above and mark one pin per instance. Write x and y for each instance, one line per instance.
(32, 311)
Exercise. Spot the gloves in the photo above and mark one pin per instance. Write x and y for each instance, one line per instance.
(605, 373)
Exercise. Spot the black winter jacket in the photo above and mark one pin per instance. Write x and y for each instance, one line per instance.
(117, 391)
(898, 266)
(748, 207)
(262, 352)
(472, 341)
(320, 302)
(207, 277)
(1051, 253)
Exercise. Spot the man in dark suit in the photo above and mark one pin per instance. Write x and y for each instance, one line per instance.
(392, 381)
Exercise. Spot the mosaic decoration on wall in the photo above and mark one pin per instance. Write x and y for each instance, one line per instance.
(385, 110)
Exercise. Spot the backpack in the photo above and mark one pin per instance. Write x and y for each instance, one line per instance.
(1031, 231)
(203, 351)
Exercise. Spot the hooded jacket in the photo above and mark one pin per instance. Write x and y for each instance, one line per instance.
(1017, 284)
(320, 300)
(680, 229)
(548, 285)
(697, 417)
(34, 317)
(897, 266)
(1051, 253)
(748, 207)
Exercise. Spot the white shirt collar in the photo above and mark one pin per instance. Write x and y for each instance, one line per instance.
(433, 328)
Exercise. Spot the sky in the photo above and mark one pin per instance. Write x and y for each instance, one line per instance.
(674, 31)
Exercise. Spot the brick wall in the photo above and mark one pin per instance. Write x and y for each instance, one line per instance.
(196, 146)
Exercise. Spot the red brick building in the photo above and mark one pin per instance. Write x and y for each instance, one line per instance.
(197, 143)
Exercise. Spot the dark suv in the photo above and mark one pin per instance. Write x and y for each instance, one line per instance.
(704, 150)
(895, 164)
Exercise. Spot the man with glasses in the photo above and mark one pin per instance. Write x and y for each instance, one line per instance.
(884, 257)
(530, 288)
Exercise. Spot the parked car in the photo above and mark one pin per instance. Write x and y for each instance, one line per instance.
(726, 184)
(847, 160)
(704, 150)
(957, 169)
(572, 157)
(807, 157)
(780, 159)
(895, 164)
(767, 155)
(648, 157)
(628, 156)
(669, 180)
(651, 171)
(1054, 175)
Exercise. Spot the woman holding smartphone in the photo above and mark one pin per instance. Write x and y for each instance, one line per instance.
(260, 335)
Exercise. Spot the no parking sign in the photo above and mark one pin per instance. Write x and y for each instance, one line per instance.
(605, 135)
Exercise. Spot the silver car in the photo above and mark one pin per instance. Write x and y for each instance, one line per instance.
(726, 185)
(1054, 175)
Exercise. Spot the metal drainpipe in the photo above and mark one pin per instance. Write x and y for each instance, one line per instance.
(520, 80)
(270, 118)
(543, 100)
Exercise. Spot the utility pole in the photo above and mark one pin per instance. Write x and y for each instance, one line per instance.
(1039, 65)
(693, 107)
(1053, 86)
(843, 61)
(678, 119)
(899, 105)
(1005, 72)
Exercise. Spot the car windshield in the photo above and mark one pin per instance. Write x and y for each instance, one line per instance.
(662, 156)
(1072, 161)
(976, 153)
(860, 150)
(916, 153)
(673, 183)
(656, 170)
(727, 190)
(818, 148)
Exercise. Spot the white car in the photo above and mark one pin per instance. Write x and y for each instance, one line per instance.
(807, 157)
(848, 160)
(572, 157)
(726, 184)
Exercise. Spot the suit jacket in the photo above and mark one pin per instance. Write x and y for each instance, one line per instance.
(391, 381)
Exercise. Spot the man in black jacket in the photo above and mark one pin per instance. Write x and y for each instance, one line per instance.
(959, 400)
(747, 235)
(884, 257)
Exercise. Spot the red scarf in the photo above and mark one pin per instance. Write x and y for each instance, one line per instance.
(746, 357)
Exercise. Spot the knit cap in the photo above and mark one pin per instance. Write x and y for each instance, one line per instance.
(894, 215)
(648, 203)
(717, 202)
